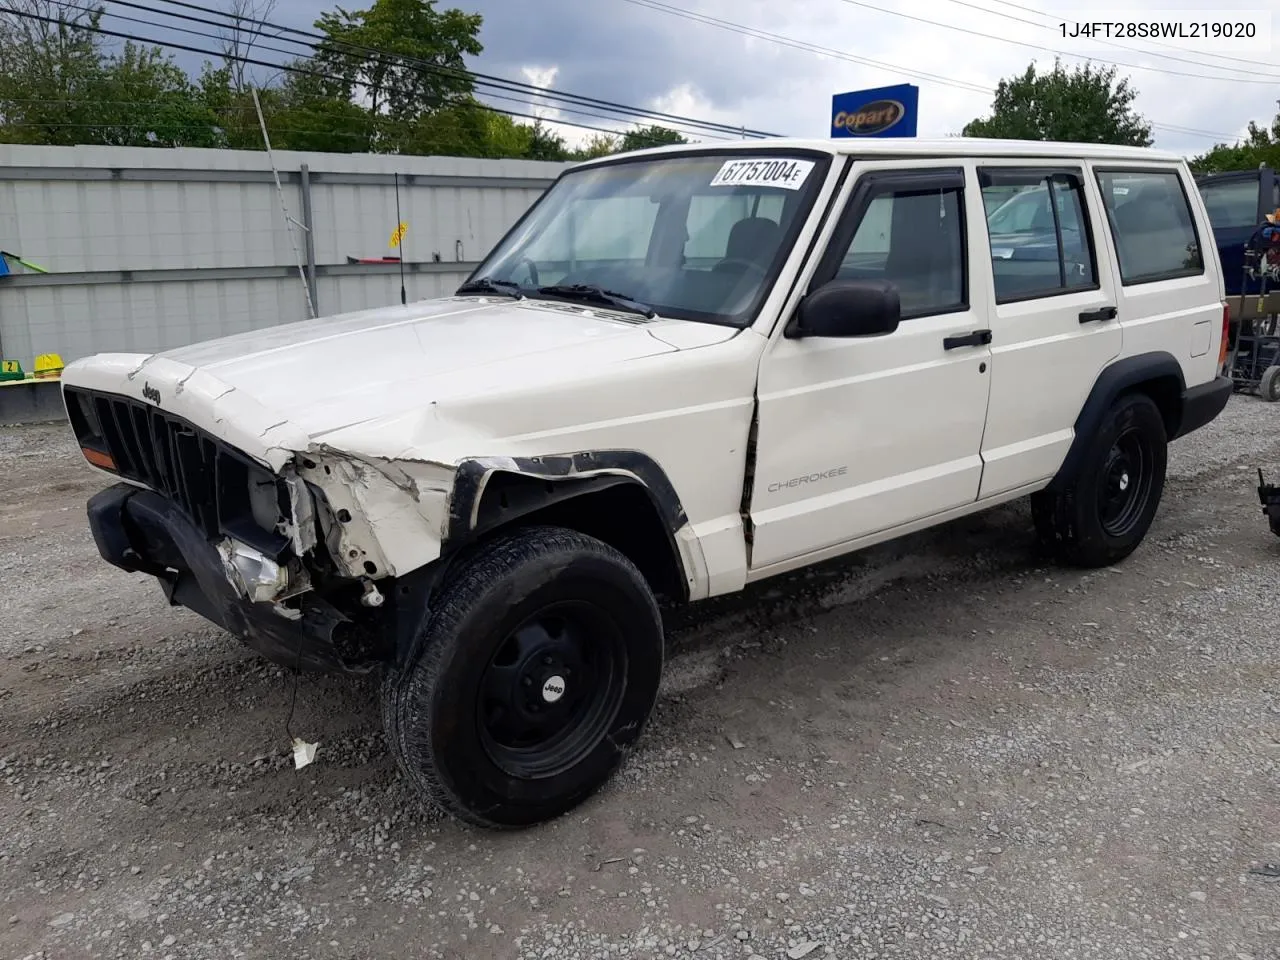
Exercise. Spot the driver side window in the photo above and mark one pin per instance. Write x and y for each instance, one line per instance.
(914, 237)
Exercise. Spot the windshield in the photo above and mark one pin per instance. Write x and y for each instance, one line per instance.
(698, 237)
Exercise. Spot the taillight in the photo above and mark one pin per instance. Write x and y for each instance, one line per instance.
(1226, 335)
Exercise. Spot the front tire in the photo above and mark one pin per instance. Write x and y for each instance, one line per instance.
(1104, 513)
(534, 675)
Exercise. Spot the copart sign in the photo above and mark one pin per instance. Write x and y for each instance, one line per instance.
(882, 112)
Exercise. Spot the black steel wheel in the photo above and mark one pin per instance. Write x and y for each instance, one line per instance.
(551, 689)
(1100, 514)
(1126, 483)
(535, 673)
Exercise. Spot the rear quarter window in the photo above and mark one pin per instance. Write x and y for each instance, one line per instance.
(1149, 214)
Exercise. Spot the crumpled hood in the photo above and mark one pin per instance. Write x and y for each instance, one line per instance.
(326, 374)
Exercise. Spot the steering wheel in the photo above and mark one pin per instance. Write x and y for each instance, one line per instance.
(533, 270)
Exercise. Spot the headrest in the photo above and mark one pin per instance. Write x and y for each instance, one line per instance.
(754, 239)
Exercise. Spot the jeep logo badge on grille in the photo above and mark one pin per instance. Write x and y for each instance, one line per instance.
(151, 393)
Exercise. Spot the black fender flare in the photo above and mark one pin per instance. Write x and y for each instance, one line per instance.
(534, 483)
(1114, 380)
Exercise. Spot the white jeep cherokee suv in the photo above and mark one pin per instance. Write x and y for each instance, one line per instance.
(683, 370)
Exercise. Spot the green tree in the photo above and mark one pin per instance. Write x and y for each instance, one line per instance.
(304, 113)
(145, 99)
(60, 85)
(1086, 105)
(418, 66)
(1260, 146)
(463, 129)
(599, 145)
(505, 136)
(545, 144)
(655, 136)
(49, 73)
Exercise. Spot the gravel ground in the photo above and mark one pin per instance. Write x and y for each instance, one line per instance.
(941, 748)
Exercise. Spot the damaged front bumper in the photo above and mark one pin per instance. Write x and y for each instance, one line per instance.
(266, 601)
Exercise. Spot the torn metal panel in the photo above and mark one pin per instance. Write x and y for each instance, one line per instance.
(301, 528)
(379, 518)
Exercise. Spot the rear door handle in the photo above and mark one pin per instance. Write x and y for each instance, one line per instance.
(975, 339)
(1102, 313)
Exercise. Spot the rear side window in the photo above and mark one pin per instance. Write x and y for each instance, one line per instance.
(1232, 204)
(1041, 244)
(1152, 225)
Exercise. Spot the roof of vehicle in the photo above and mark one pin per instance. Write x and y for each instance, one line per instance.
(910, 147)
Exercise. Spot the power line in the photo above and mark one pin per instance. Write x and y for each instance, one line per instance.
(1216, 56)
(1121, 46)
(1036, 46)
(890, 67)
(808, 47)
(65, 102)
(426, 66)
(286, 67)
(294, 53)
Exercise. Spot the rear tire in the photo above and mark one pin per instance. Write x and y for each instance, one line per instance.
(1105, 511)
(533, 677)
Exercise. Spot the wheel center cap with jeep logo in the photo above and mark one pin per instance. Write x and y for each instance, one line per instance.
(553, 689)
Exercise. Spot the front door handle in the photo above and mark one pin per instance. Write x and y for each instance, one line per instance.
(1102, 313)
(977, 338)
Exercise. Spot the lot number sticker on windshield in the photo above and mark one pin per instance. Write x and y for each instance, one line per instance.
(763, 172)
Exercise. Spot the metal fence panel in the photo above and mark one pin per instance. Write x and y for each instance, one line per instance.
(153, 249)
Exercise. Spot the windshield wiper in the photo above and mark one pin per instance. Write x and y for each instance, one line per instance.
(594, 293)
(489, 285)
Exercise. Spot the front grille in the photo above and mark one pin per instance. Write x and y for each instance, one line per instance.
(220, 490)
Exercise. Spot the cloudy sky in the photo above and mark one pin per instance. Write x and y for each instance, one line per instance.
(773, 66)
(693, 58)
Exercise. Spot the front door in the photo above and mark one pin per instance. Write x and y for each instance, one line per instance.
(862, 435)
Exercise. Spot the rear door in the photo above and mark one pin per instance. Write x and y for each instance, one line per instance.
(1237, 204)
(1054, 325)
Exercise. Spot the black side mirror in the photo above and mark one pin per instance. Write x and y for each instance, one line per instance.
(848, 308)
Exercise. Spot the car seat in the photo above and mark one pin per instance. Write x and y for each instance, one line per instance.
(752, 240)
